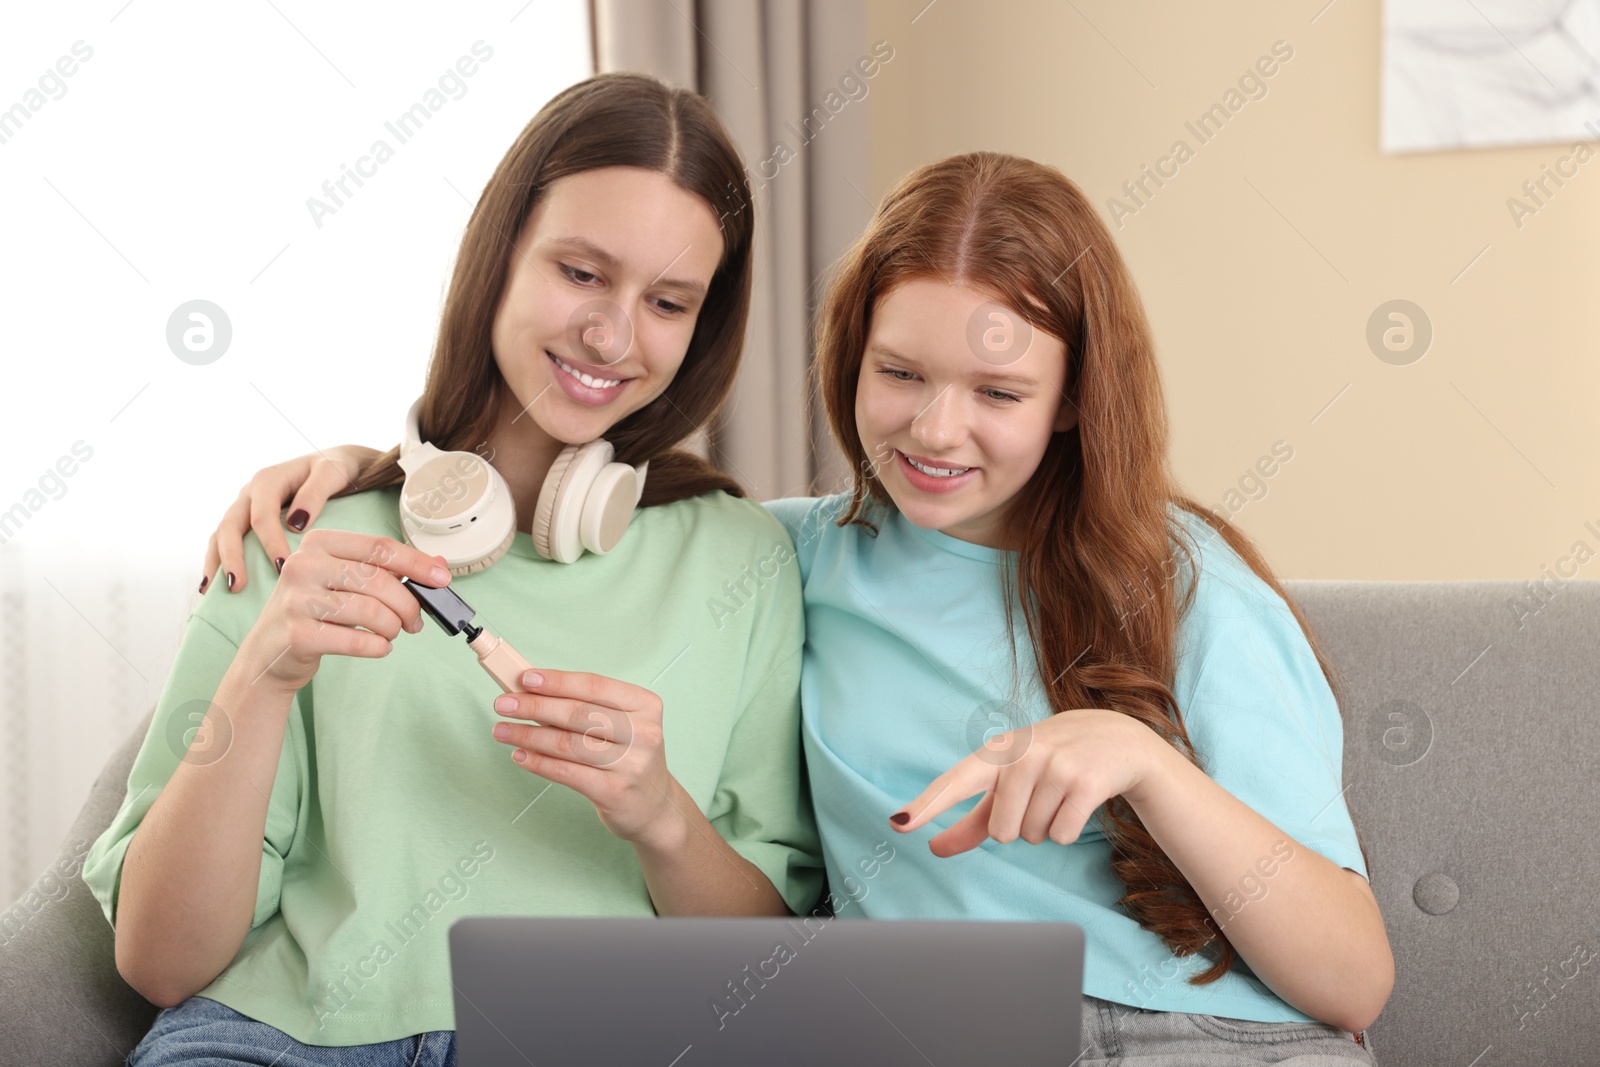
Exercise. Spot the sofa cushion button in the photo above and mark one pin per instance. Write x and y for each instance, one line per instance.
(1436, 893)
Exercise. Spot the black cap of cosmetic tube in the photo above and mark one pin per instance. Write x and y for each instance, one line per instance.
(447, 609)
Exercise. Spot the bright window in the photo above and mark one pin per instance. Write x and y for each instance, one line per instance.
(306, 168)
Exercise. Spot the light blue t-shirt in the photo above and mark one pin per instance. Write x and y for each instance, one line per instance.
(907, 669)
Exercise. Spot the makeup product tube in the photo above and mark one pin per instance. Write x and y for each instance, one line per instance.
(504, 664)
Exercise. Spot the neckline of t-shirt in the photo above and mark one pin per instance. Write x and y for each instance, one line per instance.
(954, 545)
(522, 545)
(983, 553)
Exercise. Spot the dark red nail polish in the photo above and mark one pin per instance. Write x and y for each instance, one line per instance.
(204, 582)
(900, 818)
(297, 520)
(279, 562)
(230, 581)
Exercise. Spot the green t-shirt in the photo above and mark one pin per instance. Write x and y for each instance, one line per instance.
(395, 812)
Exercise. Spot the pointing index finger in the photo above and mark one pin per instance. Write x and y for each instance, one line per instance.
(966, 779)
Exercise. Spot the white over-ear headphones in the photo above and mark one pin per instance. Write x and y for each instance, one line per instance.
(456, 505)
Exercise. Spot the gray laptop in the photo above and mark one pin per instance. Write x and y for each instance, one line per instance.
(682, 992)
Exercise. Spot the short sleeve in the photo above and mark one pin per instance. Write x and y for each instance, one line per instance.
(808, 518)
(207, 649)
(762, 806)
(1263, 720)
(791, 511)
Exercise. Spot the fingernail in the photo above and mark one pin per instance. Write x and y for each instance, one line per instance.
(204, 582)
(532, 679)
(502, 732)
(900, 818)
(520, 756)
(506, 702)
(297, 520)
(439, 575)
(279, 562)
(230, 581)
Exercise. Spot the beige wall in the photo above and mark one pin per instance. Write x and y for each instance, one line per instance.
(1476, 461)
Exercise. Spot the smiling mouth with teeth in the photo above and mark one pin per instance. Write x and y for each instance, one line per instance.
(936, 472)
(587, 379)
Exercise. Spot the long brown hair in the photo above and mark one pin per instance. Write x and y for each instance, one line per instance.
(1096, 551)
(612, 120)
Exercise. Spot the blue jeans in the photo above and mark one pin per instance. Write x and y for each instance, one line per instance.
(1120, 1034)
(206, 1032)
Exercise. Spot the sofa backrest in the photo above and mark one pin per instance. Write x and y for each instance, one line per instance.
(1472, 731)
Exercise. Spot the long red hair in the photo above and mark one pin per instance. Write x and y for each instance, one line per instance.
(1096, 565)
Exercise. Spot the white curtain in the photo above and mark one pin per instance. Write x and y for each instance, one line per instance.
(85, 646)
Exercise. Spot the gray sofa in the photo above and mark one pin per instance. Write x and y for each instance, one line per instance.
(1471, 727)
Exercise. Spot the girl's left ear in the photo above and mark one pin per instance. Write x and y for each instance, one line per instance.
(1067, 417)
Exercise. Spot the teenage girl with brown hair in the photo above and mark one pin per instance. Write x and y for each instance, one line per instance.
(281, 880)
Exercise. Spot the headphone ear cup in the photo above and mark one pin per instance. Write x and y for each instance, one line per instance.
(544, 513)
(456, 505)
(609, 507)
(461, 570)
(476, 563)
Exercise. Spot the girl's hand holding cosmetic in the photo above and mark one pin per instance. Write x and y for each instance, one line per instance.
(1040, 782)
(602, 737)
(340, 594)
(304, 484)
